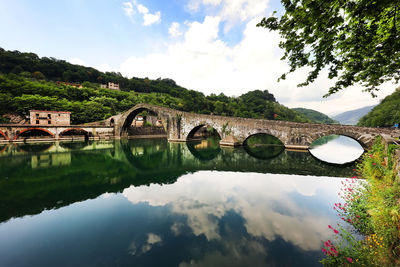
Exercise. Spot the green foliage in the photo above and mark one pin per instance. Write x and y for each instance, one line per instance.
(263, 139)
(387, 113)
(87, 104)
(59, 70)
(255, 104)
(323, 140)
(357, 40)
(372, 208)
(19, 95)
(315, 116)
(30, 82)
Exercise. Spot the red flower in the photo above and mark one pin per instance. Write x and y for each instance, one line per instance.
(374, 163)
(335, 231)
(349, 259)
(329, 226)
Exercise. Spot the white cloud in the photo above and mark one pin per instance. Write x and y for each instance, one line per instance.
(142, 9)
(231, 11)
(174, 29)
(203, 62)
(77, 61)
(152, 239)
(128, 9)
(268, 204)
(148, 18)
(104, 67)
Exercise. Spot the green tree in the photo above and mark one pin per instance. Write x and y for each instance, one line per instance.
(358, 41)
(38, 75)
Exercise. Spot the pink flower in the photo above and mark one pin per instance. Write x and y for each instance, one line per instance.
(349, 259)
(324, 250)
(329, 226)
(327, 244)
(374, 163)
(335, 231)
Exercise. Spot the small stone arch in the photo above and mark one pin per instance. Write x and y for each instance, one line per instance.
(261, 133)
(85, 133)
(112, 122)
(198, 127)
(33, 129)
(356, 137)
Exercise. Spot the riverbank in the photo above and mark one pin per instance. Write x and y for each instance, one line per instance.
(371, 210)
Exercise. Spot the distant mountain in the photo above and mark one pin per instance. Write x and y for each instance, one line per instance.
(386, 114)
(315, 116)
(352, 117)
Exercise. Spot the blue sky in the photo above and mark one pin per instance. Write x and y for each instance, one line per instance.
(211, 46)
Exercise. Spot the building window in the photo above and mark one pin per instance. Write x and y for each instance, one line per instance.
(49, 116)
(48, 122)
(37, 115)
(37, 121)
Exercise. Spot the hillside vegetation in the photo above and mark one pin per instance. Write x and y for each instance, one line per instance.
(315, 116)
(386, 114)
(29, 82)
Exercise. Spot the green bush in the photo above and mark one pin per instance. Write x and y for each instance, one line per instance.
(371, 209)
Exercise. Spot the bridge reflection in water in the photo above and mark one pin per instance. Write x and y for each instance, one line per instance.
(41, 177)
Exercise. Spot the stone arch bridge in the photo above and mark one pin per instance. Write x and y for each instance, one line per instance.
(180, 126)
(15, 132)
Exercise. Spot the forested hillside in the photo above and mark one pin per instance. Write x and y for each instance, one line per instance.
(29, 82)
(386, 114)
(315, 116)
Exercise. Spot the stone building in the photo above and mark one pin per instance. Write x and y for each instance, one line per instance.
(110, 85)
(41, 117)
(114, 86)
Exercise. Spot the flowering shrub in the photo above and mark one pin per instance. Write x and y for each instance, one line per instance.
(369, 232)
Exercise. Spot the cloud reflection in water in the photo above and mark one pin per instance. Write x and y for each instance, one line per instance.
(271, 206)
(339, 150)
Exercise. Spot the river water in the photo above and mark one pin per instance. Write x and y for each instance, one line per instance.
(153, 203)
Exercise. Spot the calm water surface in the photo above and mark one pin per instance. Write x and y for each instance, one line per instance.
(336, 149)
(154, 203)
